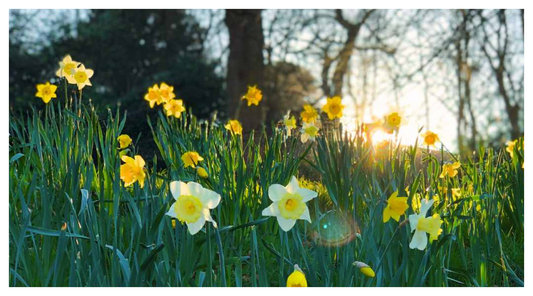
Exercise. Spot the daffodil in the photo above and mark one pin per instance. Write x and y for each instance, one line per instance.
(132, 170)
(253, 96)
(166, 92)
(297, 278)
(192, 205)
(80, 77)
(396, 206)
(174, 108)
(365, 269)
(430, 138)
(450, 169)
(234, 127)
(201, 172)
(289, 122)
(422, 225)
(392, 123)
(333, 108)
(153, 96)
(309, 114)
(191, 159)
(309, 131)
(289, 203)
(510, 147)
(67, 67)
(124, 141)
(46, 92)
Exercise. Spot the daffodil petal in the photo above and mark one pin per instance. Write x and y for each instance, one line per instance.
(196, 226)
(305, 215)
(207, 217)
(425, 205)
(419, 240)
(195, 189)
(178, 188)
(171, 212)
(276, 192)
(306, 194)
(293, 185)
(413, 221)
(285, 224)
(209, 198)
(272, 210)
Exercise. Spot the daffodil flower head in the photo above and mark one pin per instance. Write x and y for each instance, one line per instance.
(450, 169)
(393, 121)
(289, 122)
(192, 205)
(430, 138)
(510, 147)
(124, 141)
(46, 92)
(365, 269)
(309, 114)
(253, 96)
(191, 159)
(132, 170)
(67, 67)
(234, 126)
(396, 206)
(80, 77)
(202, 172)
(297, 278)
(153, 96)
(422, 225)
(174, 108)
(289, 203)
(333, 107)
(166, 92)
(309, 131)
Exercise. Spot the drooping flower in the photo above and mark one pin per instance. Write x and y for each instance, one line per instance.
(309, 131)
(253, 96)
(297, 278)
(392, 122)
(166, 92)
(80, 77)
(430, 138)
(396, 206)
(289, 122)
(174, 108)
(153, 96)
(289, 203)
(333, 108)
(46, 92)
(510, 147)
(365, 269)
(201, 172)
(192, 205)
(423, 225)
(67, 67)
(234, 126)
(124, 141)
(309, 114)
(191, 159)
(132, 170)
(450, 169)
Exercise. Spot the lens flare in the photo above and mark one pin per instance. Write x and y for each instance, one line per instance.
(335, 229)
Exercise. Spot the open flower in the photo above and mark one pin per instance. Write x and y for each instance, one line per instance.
(153, 96)
(253, 96)
(174, 108)
(67, 67)
(422, 226)
(510, 147)
(396, 206)
(191, 159)
(289, 203)
(309, 131)
(192, 205)
(297, 278)
(309, 114)
(234, 127)
(392, 122)
(365, 269)
(124, 141)
(333, 107)
(450, 169)
(430, 138)
(80, 77)
(289, 122)
(132, 170)
(46, 92)
(166, 92)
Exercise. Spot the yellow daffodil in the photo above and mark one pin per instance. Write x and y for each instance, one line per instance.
(297, 278)
(191, 159)
(174, 108)
(153, 96)
(309, 131)
(253, 96)
(201, 172)
(393, 121)
(80, 77)
(289, 203)
(166, 92)
(234, 126)
(365, 269)
(46, 92)
(450, 169)
(430, 138)
(67, 67)
(510, 147)
(289, 122)
(423, 225)
(456, 193)
(192, 205)
(124, 141)
(333, 108)
(396, 206)
(132, 170)
(309, 114)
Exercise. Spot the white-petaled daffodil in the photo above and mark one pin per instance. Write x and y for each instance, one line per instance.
(289, 203)
(423, 225)
(192, 205)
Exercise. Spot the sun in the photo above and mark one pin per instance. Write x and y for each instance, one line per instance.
(380, 136)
